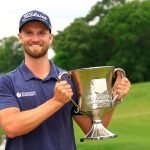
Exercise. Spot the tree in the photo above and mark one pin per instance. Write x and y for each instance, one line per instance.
(11, 54)
(76, 45)
(121, 38)
(128, 27)
(101, 8)
(69, 52)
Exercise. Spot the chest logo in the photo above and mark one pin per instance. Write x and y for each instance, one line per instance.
(25, 94)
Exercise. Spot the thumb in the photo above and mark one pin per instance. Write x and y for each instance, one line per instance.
(119, 75)
(118, 79)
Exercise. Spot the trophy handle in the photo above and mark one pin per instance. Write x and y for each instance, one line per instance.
(61, 74)
(123, 74)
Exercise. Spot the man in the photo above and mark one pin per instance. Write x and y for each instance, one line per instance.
(35, 110)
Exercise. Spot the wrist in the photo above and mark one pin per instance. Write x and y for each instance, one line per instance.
(116, 99)
(57, 103)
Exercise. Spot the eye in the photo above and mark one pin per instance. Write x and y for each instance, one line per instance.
(28, 32)
(41, 32)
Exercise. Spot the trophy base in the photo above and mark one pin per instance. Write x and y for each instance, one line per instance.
(98, 132)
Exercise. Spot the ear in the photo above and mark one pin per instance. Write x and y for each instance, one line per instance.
(19, 36)
(51, 38)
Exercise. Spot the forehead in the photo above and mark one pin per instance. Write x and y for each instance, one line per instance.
(34, 24)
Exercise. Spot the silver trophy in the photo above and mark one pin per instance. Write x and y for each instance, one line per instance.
(94, 87)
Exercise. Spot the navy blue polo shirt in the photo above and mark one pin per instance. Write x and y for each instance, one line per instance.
(21, 89)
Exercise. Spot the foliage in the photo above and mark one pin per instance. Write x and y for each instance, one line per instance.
(11, 54)
(128, 27)
(67, 40)
(101, 8)
(120, 38)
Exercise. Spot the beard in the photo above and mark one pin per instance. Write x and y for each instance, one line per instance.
(36, 51)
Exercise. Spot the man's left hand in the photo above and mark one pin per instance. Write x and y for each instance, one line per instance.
(121, 87)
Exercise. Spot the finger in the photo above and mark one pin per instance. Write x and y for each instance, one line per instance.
(67, 93)
(63, 85)
(124, 79)
(122, 91)
(119, 75)
(63, 82)
(125, 84)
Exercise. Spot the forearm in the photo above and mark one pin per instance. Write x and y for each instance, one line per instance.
(19, 123)
(84, 122)
(107, 117)
(16, 123)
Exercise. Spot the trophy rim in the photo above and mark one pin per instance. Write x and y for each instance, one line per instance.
(90, 68)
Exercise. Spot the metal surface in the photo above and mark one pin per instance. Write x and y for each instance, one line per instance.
(94, 87)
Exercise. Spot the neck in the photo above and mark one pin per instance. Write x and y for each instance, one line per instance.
(40, 67)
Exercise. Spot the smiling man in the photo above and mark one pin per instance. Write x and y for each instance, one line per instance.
(35, 110)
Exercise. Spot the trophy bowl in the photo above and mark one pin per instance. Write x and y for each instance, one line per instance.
(94, 87)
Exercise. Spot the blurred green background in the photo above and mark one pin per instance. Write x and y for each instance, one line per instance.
(131, 122)
(120, 37)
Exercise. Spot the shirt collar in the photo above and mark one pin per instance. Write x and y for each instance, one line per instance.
(28, 75)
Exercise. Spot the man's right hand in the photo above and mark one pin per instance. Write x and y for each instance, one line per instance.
(62, 92)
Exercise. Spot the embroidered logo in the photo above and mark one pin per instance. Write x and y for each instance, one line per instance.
(34, 14)
(25, 94)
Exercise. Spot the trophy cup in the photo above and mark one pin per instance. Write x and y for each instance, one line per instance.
(94, 87)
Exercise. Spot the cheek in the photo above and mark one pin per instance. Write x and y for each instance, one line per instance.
(47, 41)
(24, 43)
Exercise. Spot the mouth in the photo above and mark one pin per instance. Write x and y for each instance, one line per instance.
(35, 45)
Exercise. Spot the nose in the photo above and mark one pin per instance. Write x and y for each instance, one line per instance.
(35, 37)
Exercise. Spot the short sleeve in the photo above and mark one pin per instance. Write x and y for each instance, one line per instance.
(7, 94)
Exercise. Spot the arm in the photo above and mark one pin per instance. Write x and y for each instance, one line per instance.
(121, 87)
(15, 122)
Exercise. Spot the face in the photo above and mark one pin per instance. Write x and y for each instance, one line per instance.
(35, 38)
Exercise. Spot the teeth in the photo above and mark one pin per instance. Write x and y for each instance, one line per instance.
(35, 45)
